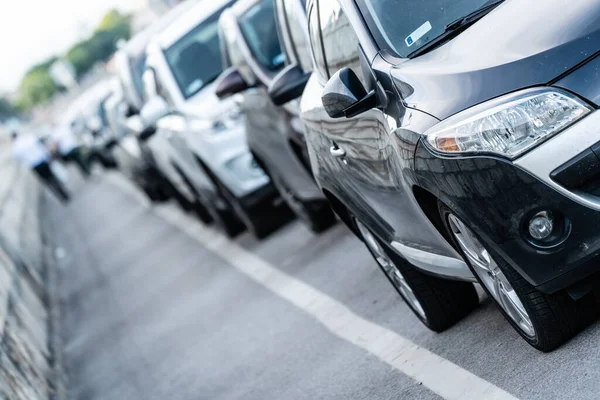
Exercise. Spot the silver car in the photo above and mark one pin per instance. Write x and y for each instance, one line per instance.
(130, 64)
(200, 140)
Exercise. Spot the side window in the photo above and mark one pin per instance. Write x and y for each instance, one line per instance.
(340, 42)
(314, 32)
(295, 18)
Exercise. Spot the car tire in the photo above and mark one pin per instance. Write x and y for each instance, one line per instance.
(438, 303)
(549, 320)
(179, 198)
(153, 184)
(263, 218)
(317, 215)
(153, 194)
(208, 212)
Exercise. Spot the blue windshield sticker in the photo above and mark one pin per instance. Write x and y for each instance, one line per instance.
(418, 34)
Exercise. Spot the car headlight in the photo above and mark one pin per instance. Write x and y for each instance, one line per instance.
(508, 125)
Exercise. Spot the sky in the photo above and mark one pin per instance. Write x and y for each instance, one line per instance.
(33, 30)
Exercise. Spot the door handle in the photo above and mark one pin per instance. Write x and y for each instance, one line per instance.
(337, 151)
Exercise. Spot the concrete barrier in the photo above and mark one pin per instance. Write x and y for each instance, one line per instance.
(27, 357)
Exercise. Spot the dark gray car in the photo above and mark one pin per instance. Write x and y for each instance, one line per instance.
(254, 56)
(446, 130)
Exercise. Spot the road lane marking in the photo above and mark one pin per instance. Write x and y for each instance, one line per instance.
(439, 375)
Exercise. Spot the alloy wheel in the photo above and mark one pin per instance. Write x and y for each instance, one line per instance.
(491, 275)
(391, 270)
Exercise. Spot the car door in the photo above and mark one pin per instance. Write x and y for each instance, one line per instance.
(184, 160)
(292, 26)
(158, 146)
(352, 154)
(361, 160)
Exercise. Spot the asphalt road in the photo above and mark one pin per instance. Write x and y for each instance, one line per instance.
(157, 306)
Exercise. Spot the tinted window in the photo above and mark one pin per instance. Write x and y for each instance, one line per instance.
(407, 25)
(195, 59)
(260, 31)
(295, 15)
(340, 43)
(314, 32)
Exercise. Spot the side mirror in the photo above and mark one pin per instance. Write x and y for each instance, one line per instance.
(155, 109)
(134, 124)
(345, 96)
(288, 85)
(230, 82)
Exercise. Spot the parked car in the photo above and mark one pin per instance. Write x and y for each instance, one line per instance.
(97, 130)
(252, 57)
(130, 64)
(85, 118)
(436, 137)
(203, 139)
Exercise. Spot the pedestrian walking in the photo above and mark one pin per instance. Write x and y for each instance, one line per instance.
(69, 147)
(29, 151)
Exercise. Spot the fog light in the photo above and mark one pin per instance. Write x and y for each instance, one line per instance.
(541, 225)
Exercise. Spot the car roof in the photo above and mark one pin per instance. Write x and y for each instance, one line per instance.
(137, 44)
(188, 21)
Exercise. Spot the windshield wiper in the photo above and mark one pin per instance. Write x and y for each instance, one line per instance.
(457, 26)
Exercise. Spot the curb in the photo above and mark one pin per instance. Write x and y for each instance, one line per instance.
(57, 377)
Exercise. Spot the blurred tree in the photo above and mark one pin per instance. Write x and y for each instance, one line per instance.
(102, 44)
(37, 87)
(80, 58)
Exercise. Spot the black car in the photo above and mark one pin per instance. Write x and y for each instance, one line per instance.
(448, 130)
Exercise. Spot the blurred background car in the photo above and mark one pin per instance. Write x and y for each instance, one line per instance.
(200, 140)
(253, 57)
(130, 64)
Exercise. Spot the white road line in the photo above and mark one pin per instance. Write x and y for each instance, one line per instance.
(441, 376)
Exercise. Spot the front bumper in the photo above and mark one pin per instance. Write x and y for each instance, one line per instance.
(497, 197)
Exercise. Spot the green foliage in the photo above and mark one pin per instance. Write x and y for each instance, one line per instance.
(102, 44)
(37, 87)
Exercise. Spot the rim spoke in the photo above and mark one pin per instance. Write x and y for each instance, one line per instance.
(392, 271)
(491, 275)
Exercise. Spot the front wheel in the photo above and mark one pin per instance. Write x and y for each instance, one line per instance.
(437, 302)
(545, 321)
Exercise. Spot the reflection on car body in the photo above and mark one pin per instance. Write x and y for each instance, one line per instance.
(201, 143)
(389, 114)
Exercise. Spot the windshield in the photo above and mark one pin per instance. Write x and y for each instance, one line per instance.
(260, 31)
(195, 59)
(407, 25)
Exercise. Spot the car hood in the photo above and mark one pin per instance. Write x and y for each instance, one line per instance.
(517, 45)
(206, 105)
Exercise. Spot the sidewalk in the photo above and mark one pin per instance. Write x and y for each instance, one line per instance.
(26, 361)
